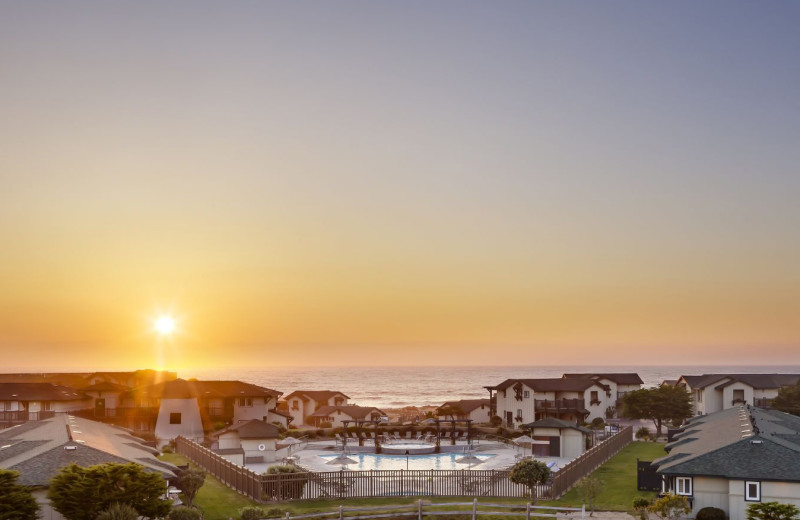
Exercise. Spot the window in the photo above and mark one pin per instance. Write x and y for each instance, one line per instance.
(594, 398)
(526, 394)
(752, 491)
(295, 404)
(683, 486)
(245, 401)
(175, 418)
(46, 406)
(699, 396)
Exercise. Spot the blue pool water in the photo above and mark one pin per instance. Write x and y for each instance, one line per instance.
(368, 461)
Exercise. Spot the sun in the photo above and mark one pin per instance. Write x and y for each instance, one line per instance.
(165, 325)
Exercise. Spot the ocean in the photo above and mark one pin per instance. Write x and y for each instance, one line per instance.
(395, 387)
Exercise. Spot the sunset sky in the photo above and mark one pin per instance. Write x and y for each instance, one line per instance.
(372, 183)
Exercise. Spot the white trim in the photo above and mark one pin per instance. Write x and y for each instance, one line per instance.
(683, 486)
(747, 496)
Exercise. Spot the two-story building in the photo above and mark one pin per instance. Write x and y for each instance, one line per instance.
(520, 401)
(22, 402)
(714, 392)
(302, 404)
(477, 410)
(619, 383)
(336, 414)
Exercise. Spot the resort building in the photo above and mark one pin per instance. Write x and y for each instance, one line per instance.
(39, 449)
(336, 414)
(191, 408)
(714, 392)
(557, 438)
(618, 383)
(252, 442)
(521, 401)
(477, 410)
(302, 404)
(22, 402)
(733, 458)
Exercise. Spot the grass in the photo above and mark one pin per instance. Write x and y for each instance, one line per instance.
(618, 475)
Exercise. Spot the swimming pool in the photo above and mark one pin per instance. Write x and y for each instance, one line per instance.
(368, 461)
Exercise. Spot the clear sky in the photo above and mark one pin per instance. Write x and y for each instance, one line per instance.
(366, 183)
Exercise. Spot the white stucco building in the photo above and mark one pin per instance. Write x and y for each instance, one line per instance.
(302, 404)
(251, 442)
(714, 392)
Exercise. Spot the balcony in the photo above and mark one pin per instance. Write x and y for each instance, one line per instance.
(560, 405)
(218, 412)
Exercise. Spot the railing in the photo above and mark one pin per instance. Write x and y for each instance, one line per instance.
(419, 509)
(20, 416)
(381, 483)
(762, 402)
(559, 404)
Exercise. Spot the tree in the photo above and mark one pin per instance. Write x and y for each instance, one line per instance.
(450, 410)
(16, 500)
(80, 493)
(663, 403)
(190, 481)
(530, 473)
(671, 507)
(588, 489)
(772, 511)
(788, 400)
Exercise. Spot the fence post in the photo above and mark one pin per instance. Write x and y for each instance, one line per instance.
(583, 511)
(419, 509)
(287, 515)
(527, 511)
(474, 508)
(341, 512)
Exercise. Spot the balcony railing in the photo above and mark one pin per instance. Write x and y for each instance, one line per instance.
(564, 405)
(20, 416)
(218, 412)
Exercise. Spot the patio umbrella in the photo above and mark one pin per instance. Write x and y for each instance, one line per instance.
(524, 440)
(288, 441)
(341, 460)
(469, 459)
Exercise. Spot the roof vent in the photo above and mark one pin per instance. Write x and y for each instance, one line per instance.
(5, 446)
(757, 442)
(70, 448)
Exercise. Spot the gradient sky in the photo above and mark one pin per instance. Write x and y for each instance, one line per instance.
(366, 183)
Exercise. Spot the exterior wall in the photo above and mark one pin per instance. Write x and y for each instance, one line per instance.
(191, 425)
(607, 400)
(709, 492)
(480, 414)
(508, 403)
(712, 398)
(572, 443)
(250, 447)
(46, 512)
(769, 393)
(258, 410)
(727, 394)
(296, 407)
(229, 441)
(274, 417)
(783, 492)
(112, 398)
(236, 458)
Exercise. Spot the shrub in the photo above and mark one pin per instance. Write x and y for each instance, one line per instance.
(710, 513)
(320, 433)
(184, 513)
(252, 513)
(325, 424)
(496, 421)
(16, 500)
(643, 433)
(530, 473)
(279, 489)
(772, 511)
(274, 512)
(167, 449)
(598, 423)
(641, 506)
(119, 512)
(671, 507)
(588, 488)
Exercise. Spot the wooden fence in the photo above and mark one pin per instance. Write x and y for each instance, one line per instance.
(383, 483)
(420, 509)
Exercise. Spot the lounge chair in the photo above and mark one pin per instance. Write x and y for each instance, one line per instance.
(408, 435)
(396, 436)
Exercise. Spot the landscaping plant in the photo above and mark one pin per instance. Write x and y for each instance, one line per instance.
(772, 511)
(16, 501)
(119, 512)
(530, 473)
(588, 489)
(671, 507)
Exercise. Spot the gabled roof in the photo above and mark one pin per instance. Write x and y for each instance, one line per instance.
(253, 429)
(105, 386)
(621, 378)
(737, 443)
(467, 405)
(182, 389)
(760, 381)
(316, 395)
(550, 422)
(39, 449)
(551, 384)
(356, 412)
(38, 392)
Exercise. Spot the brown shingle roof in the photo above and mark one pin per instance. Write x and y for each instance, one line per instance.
(38, 392)
(356, 412)
(182, 389)
(467, 405)
(316, 395)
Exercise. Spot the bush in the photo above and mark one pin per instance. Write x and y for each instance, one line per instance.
(184, 513)
(167, 449)
(710, 513)
(119, 512)
(279, 489)
(325, 424)
(16, 500)
(274, 512)
(641, 508)
(772, 511)
(598, 423)
(252, 513)
(320, 433)
(643, 433)
(496, 421)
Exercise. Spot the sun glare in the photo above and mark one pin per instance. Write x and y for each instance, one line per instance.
(165, 325)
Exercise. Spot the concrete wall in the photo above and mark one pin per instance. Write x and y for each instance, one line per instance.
(250, 447)
(191, 425)
(572, 443)
(258, 410)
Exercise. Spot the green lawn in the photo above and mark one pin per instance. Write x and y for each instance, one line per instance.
(618, 475)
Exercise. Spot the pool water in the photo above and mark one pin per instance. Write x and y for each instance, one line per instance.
(368, 461)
